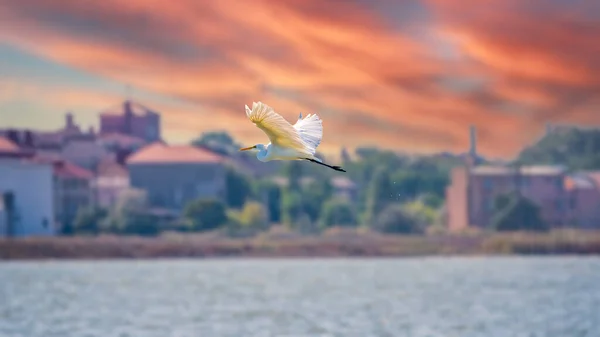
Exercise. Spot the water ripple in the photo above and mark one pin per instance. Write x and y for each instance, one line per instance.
(465, 297)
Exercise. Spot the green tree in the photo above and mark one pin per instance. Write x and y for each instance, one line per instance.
(422, 213)
(314, 197)
(219, 141)
(294, 172)
(380, 193)
(338, 212)
(238, 189)
(501, 201)
(270, 194)
(130, 215)
(432, 200)
(253, 218)
(254, 215)
(205, 214)
(140, 222)
(411, 183)
(518, 213)
(578, 149)
(411, 176)
(88, 220)
(292, 206)
(394, 219)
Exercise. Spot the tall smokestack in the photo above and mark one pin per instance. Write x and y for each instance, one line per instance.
(128, 128)
(69, 123)
(473, 140)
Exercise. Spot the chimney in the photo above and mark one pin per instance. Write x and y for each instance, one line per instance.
(345, 156)
(473, 140)
(69, 123)
(128, 117)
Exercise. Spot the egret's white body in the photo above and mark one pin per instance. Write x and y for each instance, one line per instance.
(288, 142)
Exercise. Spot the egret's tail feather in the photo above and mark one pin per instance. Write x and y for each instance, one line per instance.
(310, 129)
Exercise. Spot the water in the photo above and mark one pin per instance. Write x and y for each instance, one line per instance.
(463, 297)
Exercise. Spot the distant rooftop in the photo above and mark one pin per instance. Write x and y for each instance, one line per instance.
(543, 170)
(121, 139)
(110, 168)
(159, 153)
(342, 182)
(579, 181)
(68, 170)
(8, 147)
(525, 170)
(63, 168)
(594, 177)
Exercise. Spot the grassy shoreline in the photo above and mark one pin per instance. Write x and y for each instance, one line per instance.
(343, 243)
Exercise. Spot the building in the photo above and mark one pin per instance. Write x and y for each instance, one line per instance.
(132, 119)
(47, 141)
(72, 191)
(564, 199)
(118, 141)
(112, 180)
(344, 188)
(584, 200)
(86, 153)
(172, 176)
(25, 194)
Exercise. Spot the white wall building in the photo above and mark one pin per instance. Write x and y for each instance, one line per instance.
(32, 187)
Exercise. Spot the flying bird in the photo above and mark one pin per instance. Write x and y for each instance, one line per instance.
(288, 142)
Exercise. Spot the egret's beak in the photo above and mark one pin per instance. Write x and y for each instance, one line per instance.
(247, 148)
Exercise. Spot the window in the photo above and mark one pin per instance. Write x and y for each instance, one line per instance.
(178, 196)
(487, 183)
(559, 183)
(489, 205)
(560, 205)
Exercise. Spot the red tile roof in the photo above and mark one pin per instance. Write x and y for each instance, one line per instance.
(159, 153)
(8, 147)
(595, 177)
(110, 168)
(65, 169)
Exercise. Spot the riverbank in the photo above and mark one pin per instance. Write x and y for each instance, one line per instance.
(341, 243)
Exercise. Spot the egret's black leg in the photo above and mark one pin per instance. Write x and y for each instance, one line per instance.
(337, 168)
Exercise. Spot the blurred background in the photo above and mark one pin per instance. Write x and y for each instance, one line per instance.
(469, 131)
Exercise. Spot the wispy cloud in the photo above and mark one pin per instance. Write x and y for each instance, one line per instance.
(377, 75)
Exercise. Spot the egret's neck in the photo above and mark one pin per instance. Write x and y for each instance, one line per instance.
(263, 153)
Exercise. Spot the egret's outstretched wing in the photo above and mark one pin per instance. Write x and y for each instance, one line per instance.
(279, 131)
(311, 131)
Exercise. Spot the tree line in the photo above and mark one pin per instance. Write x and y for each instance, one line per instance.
(396, 193)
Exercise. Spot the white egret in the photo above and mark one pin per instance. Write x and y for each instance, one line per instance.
(288, 142)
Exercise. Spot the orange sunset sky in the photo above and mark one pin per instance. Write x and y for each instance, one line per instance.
(403, 75)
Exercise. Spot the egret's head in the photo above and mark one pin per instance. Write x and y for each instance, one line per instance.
(254, 148)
